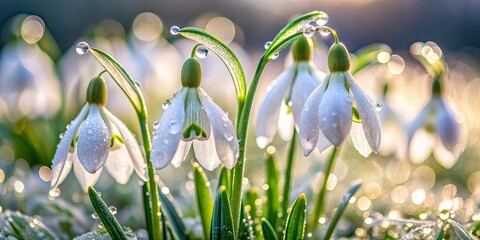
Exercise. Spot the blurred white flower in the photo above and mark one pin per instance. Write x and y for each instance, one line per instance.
(93, 139)
(436, 130)
(327, 114)
(28, 83)
(286, 95)
(193, 118)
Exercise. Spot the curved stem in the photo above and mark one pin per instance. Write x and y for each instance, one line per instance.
(335, 36)
(319, 207)
(288, 175)
(194, 49)
(238, 170)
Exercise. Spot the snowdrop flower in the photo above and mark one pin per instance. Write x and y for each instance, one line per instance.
(193, 118)
(287, 94)
(327, 114)
(102, 140)
(436, 130)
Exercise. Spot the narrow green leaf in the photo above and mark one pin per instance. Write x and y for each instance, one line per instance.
(341, 208)
(291, 29)
(121, 77)
(366, 56)
(224, 179)
(272, 207)
(251, 195)
(440, 234)
(203, 199)
(172, 216)
(245, 229)
(108, 220)
(268, 230)
(295, 227)
(460, 231)
(15, 225)
(222, 224)
(224, 53)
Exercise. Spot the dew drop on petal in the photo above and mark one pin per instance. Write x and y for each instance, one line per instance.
(61, 135)
(166, 104)
(228, 135)
(174, 30)
(68, 126)
(82, 48)
(308, 31)
(201, 52)
(54, 193)
(267, 45)
(95, 215)
(174, 127)
(156, 124)
(324, 32)
(225, 117)
(322, 19)
(275, 56)
(378, 107)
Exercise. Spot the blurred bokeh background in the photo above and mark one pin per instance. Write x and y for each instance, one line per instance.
(43, 83)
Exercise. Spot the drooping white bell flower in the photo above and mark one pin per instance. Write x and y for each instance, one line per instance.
(287, 94)
(436, 130)
(96, 138)
(327, 114)
(193, 118)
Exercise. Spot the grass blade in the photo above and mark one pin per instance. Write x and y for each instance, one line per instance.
(222, 224)
(272, 207)
(172, 216)
(203, 199)
(295, 227)
(108, 220)
(268, 230)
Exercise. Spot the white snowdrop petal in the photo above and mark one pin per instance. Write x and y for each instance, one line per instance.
(119, 165)
(84, 178)
(421, 146)
(309, 128)
(269, 109)
(303, 85)
(447, 127)
(336, 110)
(133, 149)
(226, 142)
(368, 115)
(93, 141)
(416, 124)
(167, 136)
(181, 154)
(359, 140)
(59, 166)
(206, 153)
(54, 183)
(285, 123)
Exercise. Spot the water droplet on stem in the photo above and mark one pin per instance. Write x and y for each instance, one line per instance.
(174, 30)
(82, 48)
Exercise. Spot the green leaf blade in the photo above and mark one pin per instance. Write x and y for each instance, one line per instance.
(203, 199)
(108, 220)
(295, 227)
(268, 230)
(222, 223)
(173, 217)
(460, 231)
(272, 205)
(224, 53)
(120, 76)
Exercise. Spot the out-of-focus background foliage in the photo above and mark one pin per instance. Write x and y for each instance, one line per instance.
(43, 83)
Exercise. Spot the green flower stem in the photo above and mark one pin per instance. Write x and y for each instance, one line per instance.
(288, 175)
(194, 49)
(319, 207)
(242, 128)
(155, 232)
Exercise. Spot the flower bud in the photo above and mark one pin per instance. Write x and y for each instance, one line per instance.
(302, 49)
(191, 73)
(97, 91)
(338, 58)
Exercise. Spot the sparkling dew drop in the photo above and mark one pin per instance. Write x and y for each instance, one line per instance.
(378, 107)
(267, 45)
(324, 32)
(275, 56)
(174, 30)
(308, 31)
(201, 52)
(322, 19)
(82, 48)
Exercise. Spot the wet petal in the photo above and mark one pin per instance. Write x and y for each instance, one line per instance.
(132, 147)
(93, 141)
(67, 166)
(119, 165)
(196, 124)
(303, 85)
(59, 167)
(309, 128)
(167, 136)
(447, 127)
(445, 157)
(181, 154)
(83, 177)
(416, 124)
(421, 146)
(359, 140)
(285, 123)
(336, 110)
(226, 142)
(206, 153)
(269, 109)
(368, 115)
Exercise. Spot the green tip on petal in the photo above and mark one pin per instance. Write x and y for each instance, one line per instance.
(302, 49)
(191, 73)
(436, 87)
(338, 58)
(97, 91)
(356, 115)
